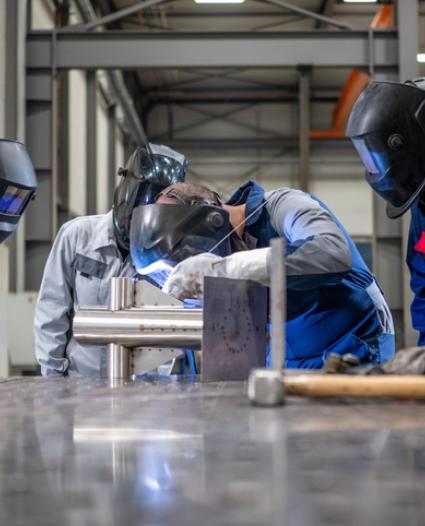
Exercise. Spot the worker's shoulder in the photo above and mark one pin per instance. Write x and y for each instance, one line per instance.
(286, 192)
(85, 224)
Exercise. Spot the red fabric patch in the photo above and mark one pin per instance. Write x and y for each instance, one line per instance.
(420, 245)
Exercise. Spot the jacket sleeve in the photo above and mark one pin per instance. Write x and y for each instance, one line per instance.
(416, 263)
(317, 252)
(54, 309)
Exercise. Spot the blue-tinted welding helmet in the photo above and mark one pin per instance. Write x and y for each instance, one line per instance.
(18, 183)
(150, 169)
(387, 128)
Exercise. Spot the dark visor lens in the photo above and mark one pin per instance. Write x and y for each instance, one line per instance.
(399, 186)
(14, 200)
(373, 156)
(169, 232)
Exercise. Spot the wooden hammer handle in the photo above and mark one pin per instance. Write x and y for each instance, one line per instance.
(341, 385)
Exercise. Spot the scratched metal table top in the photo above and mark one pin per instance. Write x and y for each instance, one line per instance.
(163, 451)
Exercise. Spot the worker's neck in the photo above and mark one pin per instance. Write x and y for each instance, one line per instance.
(237, 217)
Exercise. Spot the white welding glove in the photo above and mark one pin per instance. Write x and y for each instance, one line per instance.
(187, 278)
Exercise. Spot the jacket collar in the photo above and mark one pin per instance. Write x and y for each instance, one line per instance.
(252, 194)
(104, 232)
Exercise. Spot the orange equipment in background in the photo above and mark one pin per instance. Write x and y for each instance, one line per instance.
(355, 84)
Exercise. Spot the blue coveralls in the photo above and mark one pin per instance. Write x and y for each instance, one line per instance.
(333, 301)
(416, 262)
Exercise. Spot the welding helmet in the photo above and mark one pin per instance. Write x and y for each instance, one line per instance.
(17, 185)
(170, 233)
(150, 169)
(387, 128)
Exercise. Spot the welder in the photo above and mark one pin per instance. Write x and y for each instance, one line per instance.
(87, 253)
(334, 303)
(387, 128)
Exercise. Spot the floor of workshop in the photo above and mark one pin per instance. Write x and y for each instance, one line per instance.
(163, 451)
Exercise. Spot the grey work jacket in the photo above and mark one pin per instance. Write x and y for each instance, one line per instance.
(78, 272)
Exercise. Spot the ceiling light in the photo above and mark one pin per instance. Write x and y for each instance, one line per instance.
(360, 1)
(219, 1)
(420, 57)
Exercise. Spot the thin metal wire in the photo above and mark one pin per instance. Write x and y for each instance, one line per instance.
(240, 224)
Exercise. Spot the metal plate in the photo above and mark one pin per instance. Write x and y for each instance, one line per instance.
(183, 453)
(234, 339)
(146, 359)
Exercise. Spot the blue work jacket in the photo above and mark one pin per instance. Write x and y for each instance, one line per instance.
(416, 262)
(333, 301)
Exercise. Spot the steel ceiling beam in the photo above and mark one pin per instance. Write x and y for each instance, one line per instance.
(200, 122)
(326, 9)
(281, 22)
(233, 97)
(364, 12)
(285, 91)
(202, 76)
(131, 50)
(146, 4)
(226, 117)
(310, 14)
(115, 16)
(214, 144)
(227, 75)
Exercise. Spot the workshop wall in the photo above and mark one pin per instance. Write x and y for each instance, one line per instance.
(42, 18)
(42, 14)
(336, 172)
(102, 168)
(119, 153)
(77, 143)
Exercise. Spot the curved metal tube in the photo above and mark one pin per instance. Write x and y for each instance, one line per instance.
(140, 327)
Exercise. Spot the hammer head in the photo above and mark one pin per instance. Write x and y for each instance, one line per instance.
(266, 387)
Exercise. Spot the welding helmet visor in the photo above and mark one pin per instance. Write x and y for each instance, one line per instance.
(18, 183)
(165, 234)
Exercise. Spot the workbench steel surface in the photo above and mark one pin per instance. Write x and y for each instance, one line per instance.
(162, 451)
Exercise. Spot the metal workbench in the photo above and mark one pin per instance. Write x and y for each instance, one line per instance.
(162, 451)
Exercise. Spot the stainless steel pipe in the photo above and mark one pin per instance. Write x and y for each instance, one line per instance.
(118, 361)
(117, 355)
(140, 327)
(122, 293)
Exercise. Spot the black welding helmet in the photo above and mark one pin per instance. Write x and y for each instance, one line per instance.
(387, 128)
(169, 233)
(18, 183)
(150, 169)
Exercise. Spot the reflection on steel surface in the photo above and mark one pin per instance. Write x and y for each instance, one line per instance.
(128, 434)
(149, 326)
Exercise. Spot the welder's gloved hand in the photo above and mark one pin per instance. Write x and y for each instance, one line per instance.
(187, 278)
